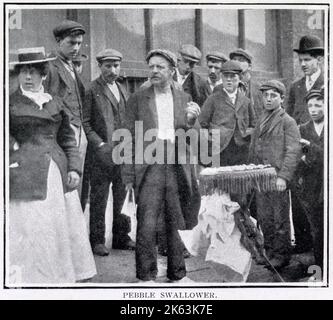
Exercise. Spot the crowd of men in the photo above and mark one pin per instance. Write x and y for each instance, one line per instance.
(256, 125)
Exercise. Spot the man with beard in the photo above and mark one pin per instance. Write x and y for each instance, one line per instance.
(192, 83)
(275, 141)
(310, 56)
(104, 113)
(215, 61)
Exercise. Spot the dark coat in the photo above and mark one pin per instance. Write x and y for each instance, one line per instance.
(41, 135)
(309, 175)
(141, 107)
(57, 84)
(218, 112)
(99, 112)
(278, 145)
(196, 87)
(297, 106)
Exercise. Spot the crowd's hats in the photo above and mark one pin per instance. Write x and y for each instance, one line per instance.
(190, 52)
(231, 67)
(168, 55)
(315, 93)
(109, 54)
(66, 27)
(31, 56)
(80, 58)
(274, 84)
(241, 52)
(216, 55)
(309, 44)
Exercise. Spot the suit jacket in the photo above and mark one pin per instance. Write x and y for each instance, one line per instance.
(278, 145)
(297, 106)
(141, 107)
(218, 112)
(99, 112)
(41, 135)
(57, 84)
(309, 175)
(196, 87)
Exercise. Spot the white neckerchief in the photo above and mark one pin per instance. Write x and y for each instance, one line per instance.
(180, 78)
(114, 89)
(165, 116)
(310, 80)
(232, 95)
(318, 127)
(39, 97)
(212, 85)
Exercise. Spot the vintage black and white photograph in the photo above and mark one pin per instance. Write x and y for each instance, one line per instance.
(153, 146)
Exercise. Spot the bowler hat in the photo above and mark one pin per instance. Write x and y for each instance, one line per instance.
(66, 27)
(273, 84)
(231, 67)
(315, 93)
(310, 44)
(216, 55)
(168, 55)
(31, 56)
(190, 52)
(241, 52)
(109, 54)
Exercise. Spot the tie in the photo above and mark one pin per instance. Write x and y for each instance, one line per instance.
(310, 83)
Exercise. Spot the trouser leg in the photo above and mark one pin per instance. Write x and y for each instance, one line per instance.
(174, 221)
(99, 194)
(121, 223)
(151, 200)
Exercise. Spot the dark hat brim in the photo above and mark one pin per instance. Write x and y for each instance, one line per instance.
(240, 54)
(318, 49)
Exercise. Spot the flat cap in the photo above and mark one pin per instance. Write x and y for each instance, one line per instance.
(231, 67)
(109, 54)
(315, 93)
(216, 55)
(80, 57)
(190, 52)
(66, 27)
(168, 55)
(241, 52)
(273, 84)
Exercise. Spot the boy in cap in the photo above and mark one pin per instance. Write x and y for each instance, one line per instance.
(215, 61)
(275, 141)
(310, 171)
(167, 189)
(192, 83)
(310, 56)
(230, 111)
(248, 85)
(63, 80)
(104, 112)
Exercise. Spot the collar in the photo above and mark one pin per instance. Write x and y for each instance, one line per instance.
(315, 76)
(39, 97)
(231, 95)
(214, 84)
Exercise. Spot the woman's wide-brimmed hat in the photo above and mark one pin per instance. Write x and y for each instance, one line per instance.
(31, 56)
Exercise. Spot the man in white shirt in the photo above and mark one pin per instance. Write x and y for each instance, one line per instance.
(166, 190)
(310, 56)
(104, 112)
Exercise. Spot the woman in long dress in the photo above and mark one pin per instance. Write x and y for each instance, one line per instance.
(48, 238)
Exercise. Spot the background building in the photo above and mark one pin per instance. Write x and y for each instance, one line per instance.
(270, 35)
